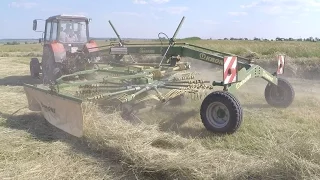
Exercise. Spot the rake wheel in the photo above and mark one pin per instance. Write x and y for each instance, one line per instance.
(221, 112)
(280, 96)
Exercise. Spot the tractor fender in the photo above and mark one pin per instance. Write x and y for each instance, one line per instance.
(59, 51)
(91, 46)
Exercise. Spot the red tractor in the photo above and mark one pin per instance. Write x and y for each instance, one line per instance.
(67, 47)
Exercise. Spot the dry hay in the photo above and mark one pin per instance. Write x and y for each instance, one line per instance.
(146, 150)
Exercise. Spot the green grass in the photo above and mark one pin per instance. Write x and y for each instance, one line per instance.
(267, 49)
(21, 48)
(302, 56)
(264, 49)
(172, 143)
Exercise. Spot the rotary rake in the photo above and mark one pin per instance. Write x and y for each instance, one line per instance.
(134, 85)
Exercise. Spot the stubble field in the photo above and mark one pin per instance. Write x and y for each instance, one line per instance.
(172, 143)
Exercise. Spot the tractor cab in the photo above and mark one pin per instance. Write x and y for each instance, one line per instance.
(70, 30)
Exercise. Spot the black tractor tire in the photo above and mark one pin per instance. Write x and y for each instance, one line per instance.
(228, 108)
(281, 95)
(50, 69)
(35, 68)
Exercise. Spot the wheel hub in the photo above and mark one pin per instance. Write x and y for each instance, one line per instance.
(218, 114)
(221, 113)
(277, 93)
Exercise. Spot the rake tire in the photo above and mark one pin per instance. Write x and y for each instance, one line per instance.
(280, 96)
(230, 108)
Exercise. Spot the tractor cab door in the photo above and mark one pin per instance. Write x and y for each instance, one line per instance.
(53, 53)
(51, 31)
(50, 35)
(49, 47)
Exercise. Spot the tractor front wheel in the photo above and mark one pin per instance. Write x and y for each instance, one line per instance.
(34, 68)
(221, 112)
(281, 95)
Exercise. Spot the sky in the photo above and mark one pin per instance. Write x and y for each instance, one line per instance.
(146, 18)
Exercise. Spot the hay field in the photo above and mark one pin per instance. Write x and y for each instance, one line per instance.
(172, 143)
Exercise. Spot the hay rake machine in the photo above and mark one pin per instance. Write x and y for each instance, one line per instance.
(133, 85)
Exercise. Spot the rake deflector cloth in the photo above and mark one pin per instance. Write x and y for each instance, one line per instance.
(61, 111)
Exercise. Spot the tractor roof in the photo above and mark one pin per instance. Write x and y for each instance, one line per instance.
(68, 16)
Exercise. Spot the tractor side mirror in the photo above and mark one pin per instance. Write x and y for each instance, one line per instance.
(35, 23)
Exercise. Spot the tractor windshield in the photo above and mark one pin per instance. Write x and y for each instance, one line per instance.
(73, 31)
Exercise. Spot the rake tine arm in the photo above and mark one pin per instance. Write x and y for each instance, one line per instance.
(112, 94)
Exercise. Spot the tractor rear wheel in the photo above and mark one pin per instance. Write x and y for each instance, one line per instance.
(281, 95)
(221, 112)
(34, 67)
(50, 69)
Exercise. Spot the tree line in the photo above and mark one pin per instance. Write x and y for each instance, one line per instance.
(310, 39)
